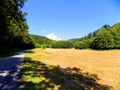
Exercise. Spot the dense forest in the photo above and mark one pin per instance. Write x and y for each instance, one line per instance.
(41, 41)
(13, 27)
(44, 42)
(107, 37)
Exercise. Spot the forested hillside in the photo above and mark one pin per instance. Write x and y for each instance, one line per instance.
(74, 39)
(13, 27)
(107, 37)
(41, 40)
(44, 42)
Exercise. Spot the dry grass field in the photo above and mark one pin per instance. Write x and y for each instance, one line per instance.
(58, 69)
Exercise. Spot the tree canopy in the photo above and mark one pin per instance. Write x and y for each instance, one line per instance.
(106, 37)
(41, 41)
(13, 26)
(62, 44)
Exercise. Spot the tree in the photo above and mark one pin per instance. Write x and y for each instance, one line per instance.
(83, 44)
(13, 26)
(62, 44)
(116, 35)
(41, 41)
(103, 40)
(106, 26)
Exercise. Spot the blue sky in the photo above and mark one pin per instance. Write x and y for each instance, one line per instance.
(66, 19)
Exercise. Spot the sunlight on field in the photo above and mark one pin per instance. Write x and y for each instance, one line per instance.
(104, 64)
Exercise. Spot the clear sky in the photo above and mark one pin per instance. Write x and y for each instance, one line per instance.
(66, 19)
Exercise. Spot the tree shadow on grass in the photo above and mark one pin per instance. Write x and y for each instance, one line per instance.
(57, 78)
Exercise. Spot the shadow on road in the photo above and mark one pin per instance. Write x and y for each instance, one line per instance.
(10, 72)
(58, 78)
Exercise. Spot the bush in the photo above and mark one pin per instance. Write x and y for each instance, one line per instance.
(81, 45)
(62, 44)
(43, 46)
(4, 52)
(102, 43)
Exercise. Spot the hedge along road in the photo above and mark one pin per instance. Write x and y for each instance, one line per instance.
(10, 71)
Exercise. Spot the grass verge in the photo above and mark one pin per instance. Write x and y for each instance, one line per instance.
(4, 52)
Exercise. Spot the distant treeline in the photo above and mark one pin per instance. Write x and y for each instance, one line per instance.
(107, 37)
(41, 41)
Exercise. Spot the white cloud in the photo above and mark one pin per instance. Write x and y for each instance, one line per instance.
(53, 36)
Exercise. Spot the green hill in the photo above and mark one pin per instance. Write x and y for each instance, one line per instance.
(107, 37)
(41, 40)
(74, 39)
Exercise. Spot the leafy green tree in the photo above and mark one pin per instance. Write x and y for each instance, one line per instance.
(41, 41)
(116, 35)
(83, 44)
(13, 27)
(103, 40)
(106, 26)
(43, 46)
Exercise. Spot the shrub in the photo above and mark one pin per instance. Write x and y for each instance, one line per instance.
(43, 46)
(102, 43)
(81, 45)
(62, 44)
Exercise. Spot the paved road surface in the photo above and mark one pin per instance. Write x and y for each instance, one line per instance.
(10, 72)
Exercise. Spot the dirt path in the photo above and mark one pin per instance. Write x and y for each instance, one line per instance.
(10, 72)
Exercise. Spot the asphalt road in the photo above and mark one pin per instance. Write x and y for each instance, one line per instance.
(10, 72)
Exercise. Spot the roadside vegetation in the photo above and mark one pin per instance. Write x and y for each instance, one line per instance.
(4, 52)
